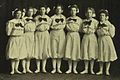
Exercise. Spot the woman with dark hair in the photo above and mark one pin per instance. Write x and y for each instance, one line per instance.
(57, 38)
(15, 47)
(29, 29)
(89, 45)
(72, 51)
(42, 38)
(106, 49)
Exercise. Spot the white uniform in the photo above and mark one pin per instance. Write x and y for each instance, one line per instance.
(106, 49)
(42, 37)
(16, 47)
(57, 36)
(73, 51)
(89, 45)
(29, 36)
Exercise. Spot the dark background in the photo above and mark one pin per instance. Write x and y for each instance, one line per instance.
(6, 6)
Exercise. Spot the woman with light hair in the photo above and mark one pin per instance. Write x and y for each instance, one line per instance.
(89, 45)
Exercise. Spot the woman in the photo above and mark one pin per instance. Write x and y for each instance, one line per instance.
(72, 52)
(89, 45)
(57, 38)
(42, 38)
(15, 47)
(29, 29)
(106, 49)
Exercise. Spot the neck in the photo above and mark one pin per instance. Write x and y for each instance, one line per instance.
(73, 15)
(89, 18)
(30, 16)
(58, 14)
(17, 18)
(42, 14)
(102, 20)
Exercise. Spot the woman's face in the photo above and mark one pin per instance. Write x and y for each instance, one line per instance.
(59, 10)
(42, 10)
(102, 17)
(30, 12)
(89, 13)
(73, 11)
(18, 14)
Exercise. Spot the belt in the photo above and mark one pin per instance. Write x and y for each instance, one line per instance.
(104, 35)
(15, 35)
(40, 31)
(29, 31)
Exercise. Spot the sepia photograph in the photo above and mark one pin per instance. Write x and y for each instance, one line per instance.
(59, 40)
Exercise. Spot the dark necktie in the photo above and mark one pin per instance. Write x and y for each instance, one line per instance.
(27, 19)
(101, 25)
(70, 19)
(58, 20)
(40, 19)
(18, 24)
(87, 22)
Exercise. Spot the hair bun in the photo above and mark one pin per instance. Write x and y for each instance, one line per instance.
(48, 10)
(105, 11)
(55, 6)
(13, 12)
(74, 6)
(94, 15)
(23, 10)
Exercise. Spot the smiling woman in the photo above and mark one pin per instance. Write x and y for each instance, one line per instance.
(7, 6)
